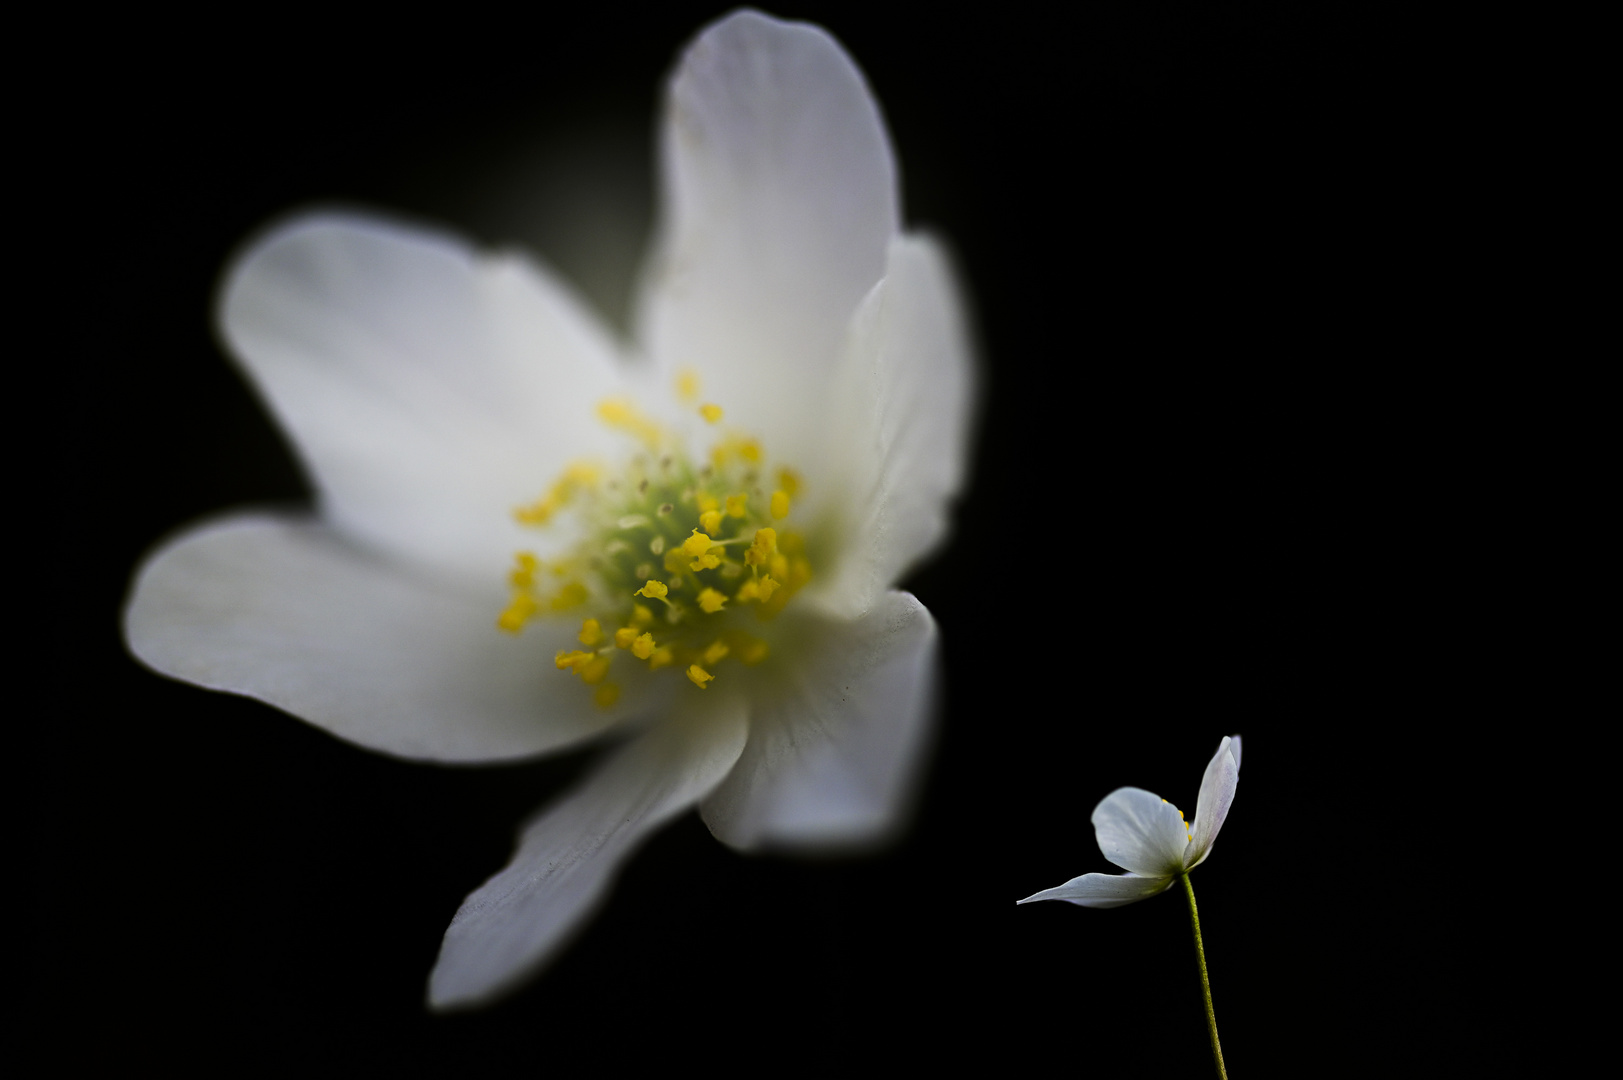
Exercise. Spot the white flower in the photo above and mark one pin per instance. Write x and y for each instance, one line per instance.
(431, 389)
(1146, 835)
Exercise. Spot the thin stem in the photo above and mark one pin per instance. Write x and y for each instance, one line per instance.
(1205, 982)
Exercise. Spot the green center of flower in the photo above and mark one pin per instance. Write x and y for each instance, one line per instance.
(680, 563)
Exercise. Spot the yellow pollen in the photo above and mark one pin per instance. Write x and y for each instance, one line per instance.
(687, 384)
(748, 591)
(696, 545)
(706, 561)
(780, 504)
(711, 601)
(573, 661)
(663, 657)
(643, 647)
(789, 481)
(708, 503)
(750, 451)
(768, 587)
(571, 595)
(591, 633)
(517, 614)
(641, 615)
(523, 575)
(593, 670)
(624, 636)
(711, 413)
(699, 676)
(736, 507)
(653, 590)
(607, 695)
(710, 521)
(765, 545)
(715, 653)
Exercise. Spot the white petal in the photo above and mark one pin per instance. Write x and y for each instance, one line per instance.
(429, 389)
(290, 613)
(778, 201)
(1217, 788)
(833, 752)
(1140, 832)
(568, 854)
(1103, 890)
(903, 402)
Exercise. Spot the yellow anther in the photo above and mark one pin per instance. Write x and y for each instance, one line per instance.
(662, 657)
(750, 451)
(593, 670)
(699, 676)
(641, 615)
(571, 595)
(763, 548)
(768, 587)
(523, 575)
(676, 560)
(654, 590)
(517, 614)
(711, 601)
(643, 647)
(710, 521)
(736, 507)
(780, 504)
(706, 561)
(696, 545)
(591, 633)
(687, 384)
(800, 571)
(715, 653)
(780, 566)
(789, 481)
(573, 661)
(616, 411)
(711, 413)
(624, 636)
(754, 651)
(707, 503)
(607, 695)
(750, 590)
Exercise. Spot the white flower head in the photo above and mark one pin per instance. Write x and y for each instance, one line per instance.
(530, 533)
(1148, 837)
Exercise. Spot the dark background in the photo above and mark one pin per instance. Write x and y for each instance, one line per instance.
(1195, 511)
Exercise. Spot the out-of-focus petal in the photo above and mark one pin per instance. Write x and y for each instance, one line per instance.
(292, 614)
(429, 389)
(568, 854)
(1103, 890)
(1140, 832)
(833, 750)
(778, 201)
(1217, 789)
(901, 424)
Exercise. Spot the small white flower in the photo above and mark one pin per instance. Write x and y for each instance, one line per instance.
(431, 389)
(1146, 835)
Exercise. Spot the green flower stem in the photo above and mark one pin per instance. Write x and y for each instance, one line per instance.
(1205, 983)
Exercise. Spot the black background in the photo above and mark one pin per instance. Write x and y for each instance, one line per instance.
(1193, 513)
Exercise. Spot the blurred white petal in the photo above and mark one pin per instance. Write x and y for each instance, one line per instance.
(290, 613)
(833, 749)
(427, 387)
(779, 205)
(903, 399)
(568, 854)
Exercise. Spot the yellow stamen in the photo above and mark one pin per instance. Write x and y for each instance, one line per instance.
(591, 633)
(750, 590)
(754, 651)
(624, 636)
(711, 413)
(780, 504)
(768, 587)
(654, 590)
(711, 601)
(699, 676)
(687, 384)
(765, 545)
(573, 661)
(641, 615)
(736, 507)
(517, 614)
(593, 670)
(697, 544)
(662, 657)
(789, 481)
(607, 695)
(571, 595)
(714, 654)
(643, 647)
(710, 521)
